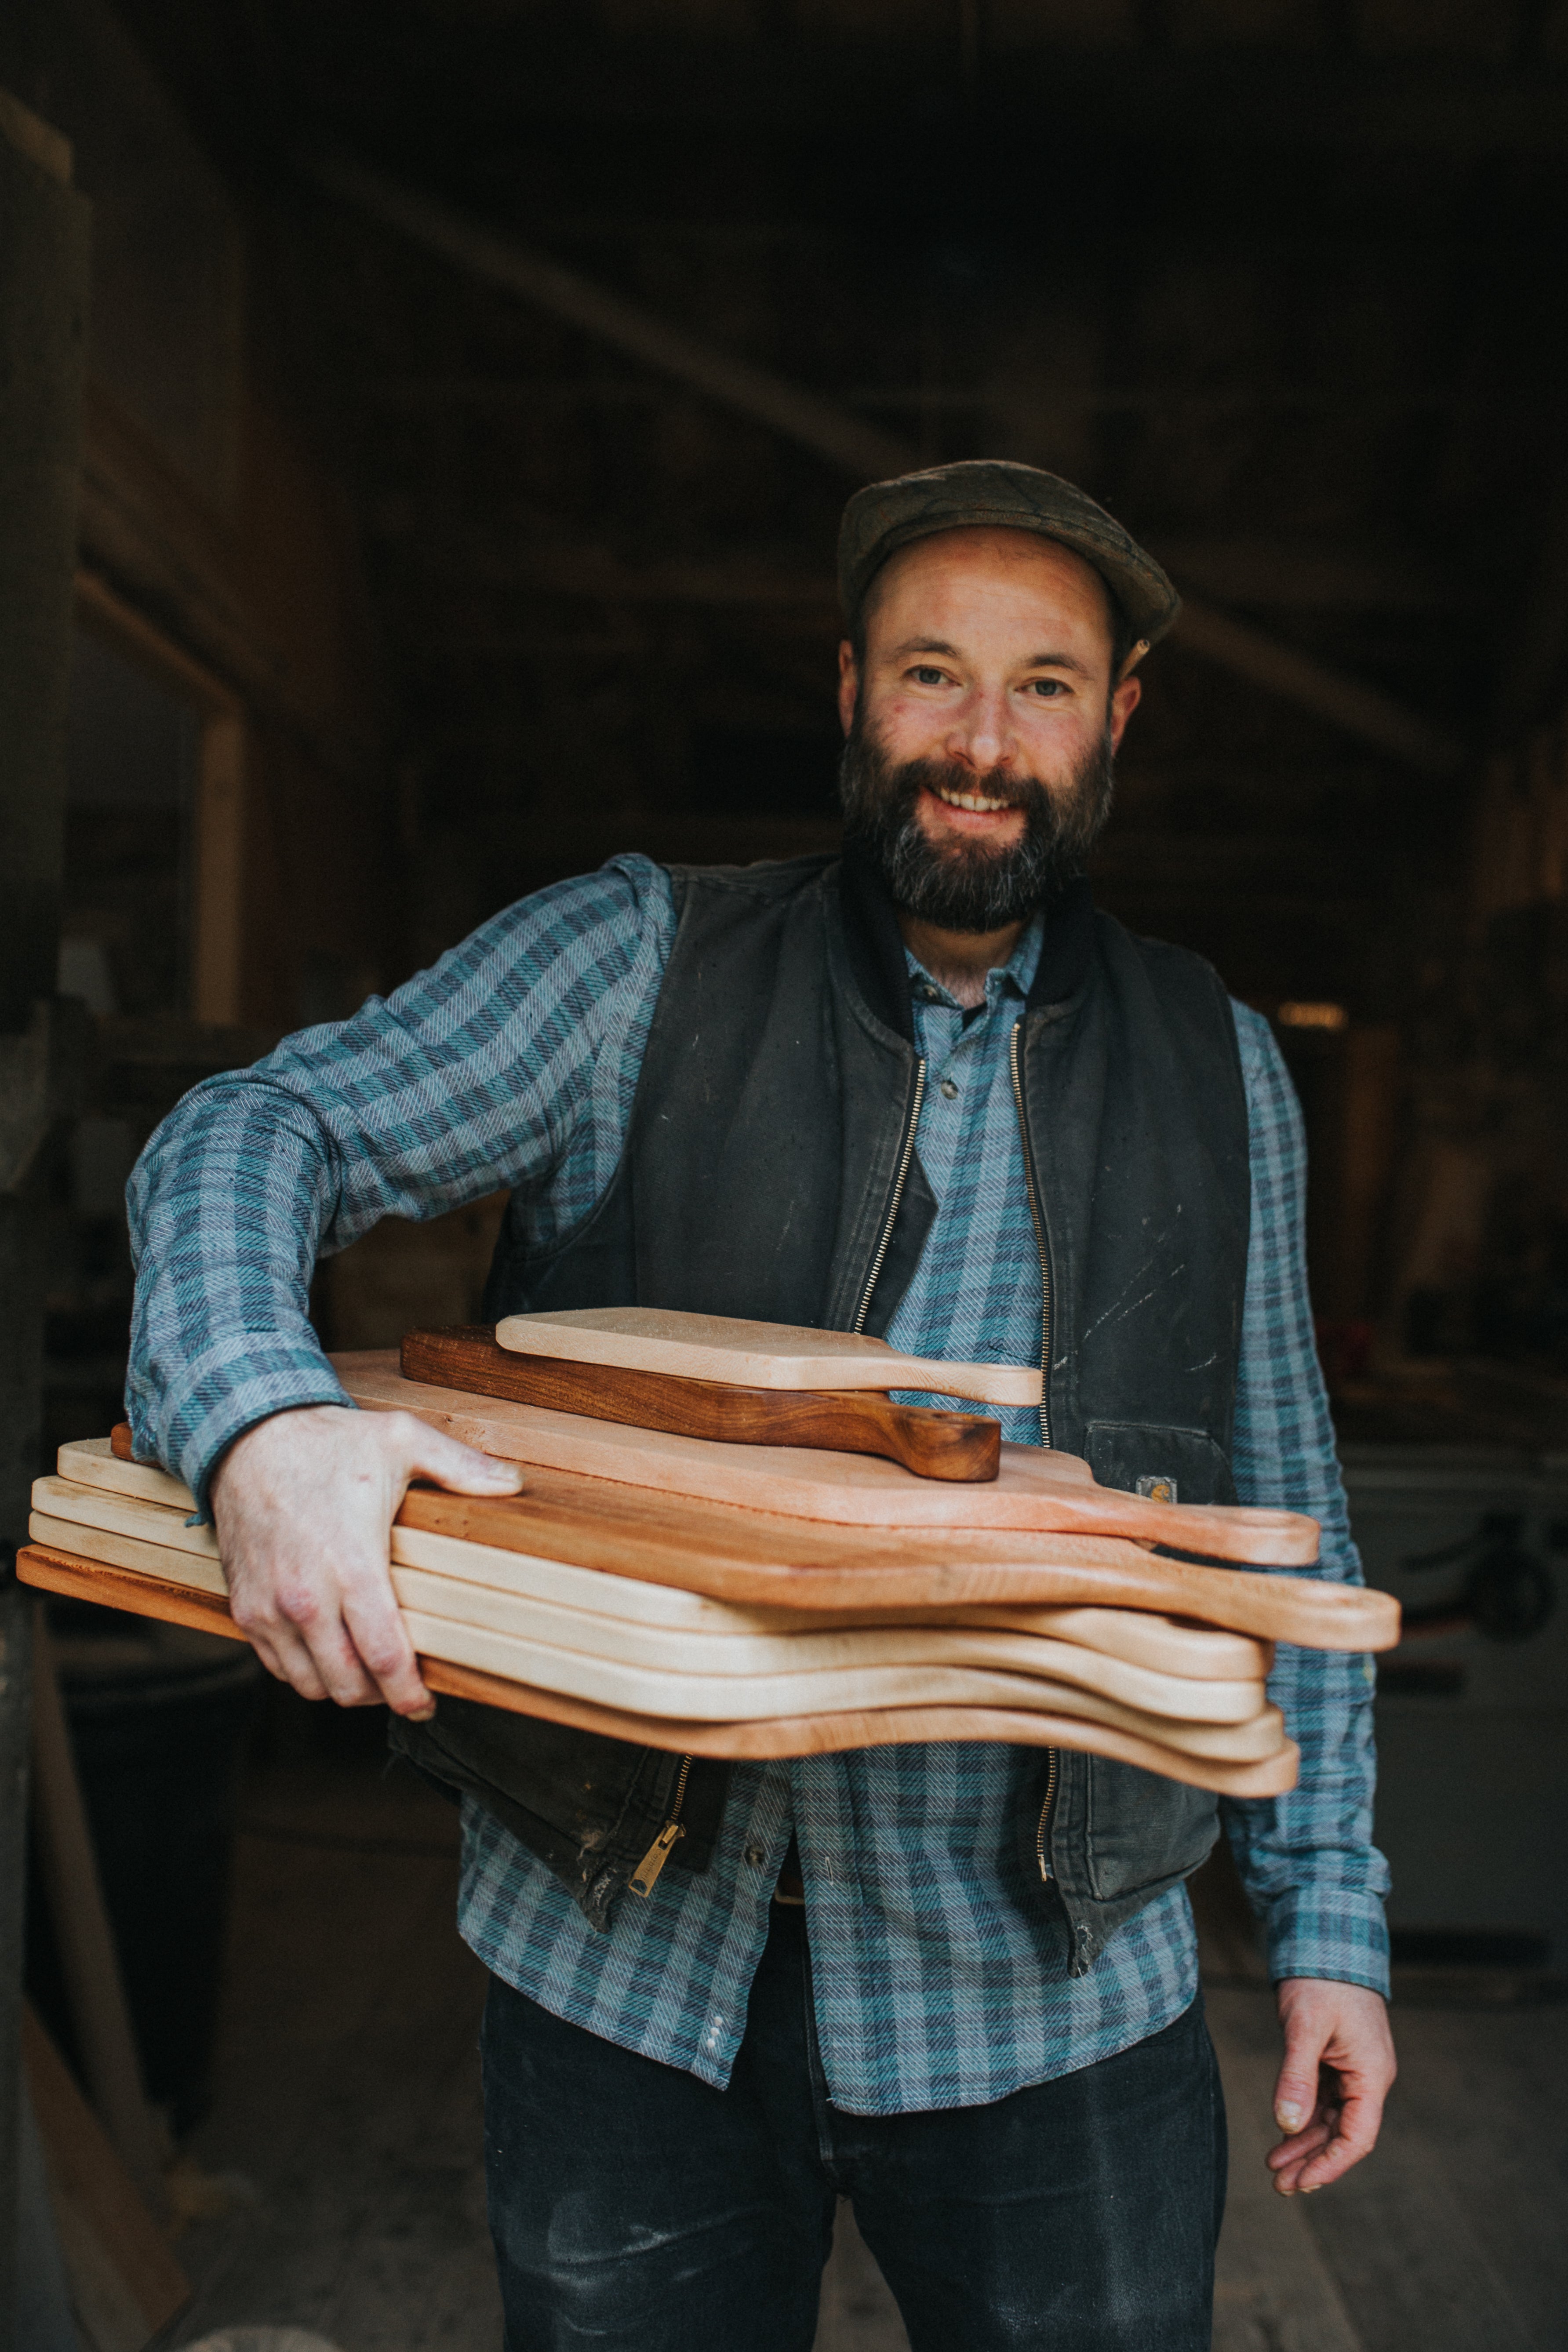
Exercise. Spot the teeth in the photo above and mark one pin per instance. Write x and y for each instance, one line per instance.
(968, 800)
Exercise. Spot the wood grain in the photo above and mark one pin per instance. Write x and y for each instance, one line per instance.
(755, 1355)
(958, 1446)
(564, 1609)
(52, 1570)
(1031, 1491)
(1143, 1638)
(759, 1558)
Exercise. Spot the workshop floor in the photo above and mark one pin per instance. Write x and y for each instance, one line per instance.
(346, 2127)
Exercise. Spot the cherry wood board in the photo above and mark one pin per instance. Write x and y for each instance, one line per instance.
(765, 1558)
(755, 1355)
(1031, 1493)
(1167, 1645)
(81, 1579)
(500, 1591)
(961, 1447)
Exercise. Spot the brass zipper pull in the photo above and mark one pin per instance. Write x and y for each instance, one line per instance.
(645, 1876)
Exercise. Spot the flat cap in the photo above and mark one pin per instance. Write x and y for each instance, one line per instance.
(999, 494)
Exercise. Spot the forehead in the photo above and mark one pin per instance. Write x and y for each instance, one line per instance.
(993, 580)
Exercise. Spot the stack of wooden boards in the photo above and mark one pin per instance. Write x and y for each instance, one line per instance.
(698, 1595)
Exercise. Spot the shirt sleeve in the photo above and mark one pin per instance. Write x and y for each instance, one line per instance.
(512, 1062)
(1305, 1860)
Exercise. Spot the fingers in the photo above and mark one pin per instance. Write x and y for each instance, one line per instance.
(1296, 2092)
(462, 1469)
(1355, 2135)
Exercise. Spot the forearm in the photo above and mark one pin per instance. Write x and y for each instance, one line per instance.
(1305, 1860)
(229, 1206)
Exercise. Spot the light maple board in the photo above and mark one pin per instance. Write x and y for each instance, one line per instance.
(60, 1571)
(88, 1467)
(1031, 1493)
(754, 1355)
(500, 1591)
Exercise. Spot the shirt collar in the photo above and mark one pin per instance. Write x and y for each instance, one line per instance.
(1014, 978)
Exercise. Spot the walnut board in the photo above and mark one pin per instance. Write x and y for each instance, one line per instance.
(755, 1355)
(961, 1447)
(501, 1591)
(1032, 1492)
(52, 1569)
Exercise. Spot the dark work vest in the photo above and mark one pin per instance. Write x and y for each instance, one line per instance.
(761, 1178)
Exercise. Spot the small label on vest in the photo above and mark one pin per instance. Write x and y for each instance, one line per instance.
(1158, 1490)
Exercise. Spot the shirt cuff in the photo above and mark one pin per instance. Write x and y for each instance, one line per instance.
(223, 1392)
(1336, 1932)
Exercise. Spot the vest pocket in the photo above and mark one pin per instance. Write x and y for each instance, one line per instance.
(1122, 1452)
(1143, 1830)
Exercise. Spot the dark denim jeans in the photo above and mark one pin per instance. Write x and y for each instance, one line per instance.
(636, 2209)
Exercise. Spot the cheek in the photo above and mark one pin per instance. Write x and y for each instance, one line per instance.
(909, 729)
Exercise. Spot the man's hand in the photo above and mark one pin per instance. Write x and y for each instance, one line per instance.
(1338, 2063)
(304, 1504)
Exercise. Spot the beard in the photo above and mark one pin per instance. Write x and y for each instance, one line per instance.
(962, 885)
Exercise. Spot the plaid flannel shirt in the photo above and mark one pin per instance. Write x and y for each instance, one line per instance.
(936, 1976)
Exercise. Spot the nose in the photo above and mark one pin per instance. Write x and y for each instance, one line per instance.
(982, 737)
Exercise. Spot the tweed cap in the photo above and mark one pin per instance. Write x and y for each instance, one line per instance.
(999, 493)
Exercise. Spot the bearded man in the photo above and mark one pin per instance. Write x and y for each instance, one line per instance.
(923, 1091)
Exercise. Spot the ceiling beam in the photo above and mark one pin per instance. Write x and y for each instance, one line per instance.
(856, 449)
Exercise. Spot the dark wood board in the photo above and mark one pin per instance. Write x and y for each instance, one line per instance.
(963, 1447)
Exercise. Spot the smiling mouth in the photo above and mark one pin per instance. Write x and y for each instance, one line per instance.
(975, 800)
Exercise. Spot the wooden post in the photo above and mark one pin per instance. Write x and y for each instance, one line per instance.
(44, 228)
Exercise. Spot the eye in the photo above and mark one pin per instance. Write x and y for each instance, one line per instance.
(1047, 689)
(924, 675)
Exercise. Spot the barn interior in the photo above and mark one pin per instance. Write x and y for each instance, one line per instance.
(452, 406)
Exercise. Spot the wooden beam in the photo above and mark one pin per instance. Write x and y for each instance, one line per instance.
(501, 260)
(1378, 718)
(819, 426)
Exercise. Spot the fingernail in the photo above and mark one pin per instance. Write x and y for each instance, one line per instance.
(422, 1713)
(1289, 2116)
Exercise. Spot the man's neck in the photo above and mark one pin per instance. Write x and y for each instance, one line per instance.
(960, 959)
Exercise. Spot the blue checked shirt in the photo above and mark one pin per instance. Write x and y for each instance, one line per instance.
(936, 1979)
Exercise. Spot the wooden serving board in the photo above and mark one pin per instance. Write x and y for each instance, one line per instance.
(53, 1570)
(1032, 1492)
(757, 1558)
(755, 1355)
(501, 1591)
(961, 1447)
(1166, 1645)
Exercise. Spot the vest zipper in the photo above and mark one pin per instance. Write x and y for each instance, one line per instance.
(1042, 1828)
(1039, 1215)
(645, 1876)
(898, 1183)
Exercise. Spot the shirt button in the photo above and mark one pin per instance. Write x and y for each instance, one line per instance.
(950, 1087)
(756, 1855)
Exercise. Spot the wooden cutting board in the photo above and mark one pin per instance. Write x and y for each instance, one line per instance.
(759, 1559)
(754, 1355)
(543, 1602)
(60, 1571)
(1167, 1645)
(959, 1446)
(1033, 1490)
(822, 1734)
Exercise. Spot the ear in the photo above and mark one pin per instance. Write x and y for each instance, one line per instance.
(1124, 701)
(848, 686)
